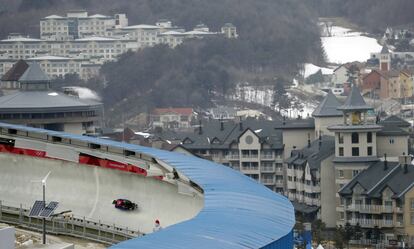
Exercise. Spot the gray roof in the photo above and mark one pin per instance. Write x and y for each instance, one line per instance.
(212, 136)
(395, 121)
(384, 49)
(394, 126)
(354, 101)
(376, 178)
(328, 107)
(308, 123)
(319, 150)
(351, 128)
(43, 101)
(356, 159)
(391, 130)
(34, 74)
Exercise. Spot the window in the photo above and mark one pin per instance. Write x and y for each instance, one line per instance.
(412, 204)
(342, 215)
(341, 151)
(369, 151)
(391, 140)
(355, 151)
(340, 138)
(341, 173)
(355, 138)
(369, 137)
(355, 172)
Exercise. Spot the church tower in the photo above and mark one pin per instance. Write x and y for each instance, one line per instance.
(385, 59)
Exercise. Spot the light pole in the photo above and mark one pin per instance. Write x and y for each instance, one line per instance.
(44, 206)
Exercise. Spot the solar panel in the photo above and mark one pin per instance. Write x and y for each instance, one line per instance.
(36, 208)
(49, 209)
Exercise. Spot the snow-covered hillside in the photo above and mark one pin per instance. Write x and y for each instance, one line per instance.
(346, 46)
(302, 98)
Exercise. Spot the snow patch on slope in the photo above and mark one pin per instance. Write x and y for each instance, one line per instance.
(345, 46)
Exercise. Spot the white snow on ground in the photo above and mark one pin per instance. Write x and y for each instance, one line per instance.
(86, 93)
(346, 46)
(310, 69)
(263, 95)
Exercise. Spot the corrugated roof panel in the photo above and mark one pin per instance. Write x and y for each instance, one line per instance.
(238, 211)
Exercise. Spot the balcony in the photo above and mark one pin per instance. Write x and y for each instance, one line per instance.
(267, 156)
(398, 210)
(267, 169)
(279, 183)
(250, 169)
(291, 185)
(232, 157)
(278, 159)
(249, 156)
(370, 223)
(268, 181)
(279, 170)
(370, 208)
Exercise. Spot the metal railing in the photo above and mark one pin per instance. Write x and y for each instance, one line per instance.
(371, 208)
(68, 225)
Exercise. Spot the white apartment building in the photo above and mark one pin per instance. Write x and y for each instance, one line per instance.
(78, 24)
(99, 49)
(57, 66)
(87, 41)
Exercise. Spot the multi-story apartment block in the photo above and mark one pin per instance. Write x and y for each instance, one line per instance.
(95, 48)
(303, 174)
(58, 66)
(77, 24)
(382, 197)
(172, 118)
(353, 143)
(253, 147)
(96, 38)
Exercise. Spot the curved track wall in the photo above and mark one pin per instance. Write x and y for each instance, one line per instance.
(238, 212)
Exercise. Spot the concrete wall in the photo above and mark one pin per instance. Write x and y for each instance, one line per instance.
(395, 149)
(322, 123)
(7, 238)
(409, 216)
(74, 128)
(89, 191)
(296, 137)
(254, 143)
(362, 145)
(328, 193)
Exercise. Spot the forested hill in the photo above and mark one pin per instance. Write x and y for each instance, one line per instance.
(275, 37)
(373, 15)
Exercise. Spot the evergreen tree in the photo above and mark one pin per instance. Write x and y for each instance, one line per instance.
(317, 229)
(352, 73)
(280, 96)
(339, 237)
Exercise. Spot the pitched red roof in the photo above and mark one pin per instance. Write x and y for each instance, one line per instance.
(181, 111)
(16, 71)
(373, 72)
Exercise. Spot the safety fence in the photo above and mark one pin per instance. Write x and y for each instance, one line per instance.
(67, 225)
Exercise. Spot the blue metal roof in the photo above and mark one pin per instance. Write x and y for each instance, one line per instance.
(238, 211)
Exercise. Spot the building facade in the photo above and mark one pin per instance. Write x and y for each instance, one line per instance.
(34, 104)
(171, 118)
(78, 24)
